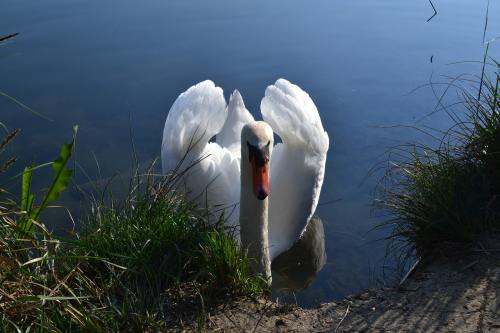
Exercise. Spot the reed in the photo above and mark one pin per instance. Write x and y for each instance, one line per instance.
(444, 198)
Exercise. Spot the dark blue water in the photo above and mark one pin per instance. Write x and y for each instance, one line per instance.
(112, 66)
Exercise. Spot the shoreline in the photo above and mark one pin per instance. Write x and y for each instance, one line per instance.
(448, 294)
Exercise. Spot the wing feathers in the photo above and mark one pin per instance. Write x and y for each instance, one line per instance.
(196, 115)
(297, 165)
(238, 116)
(212, 172)
(293, 116)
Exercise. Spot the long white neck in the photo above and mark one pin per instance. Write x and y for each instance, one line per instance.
(254, 224)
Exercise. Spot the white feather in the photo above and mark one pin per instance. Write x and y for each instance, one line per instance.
(238, 116)
(297, 165)
(213, 174)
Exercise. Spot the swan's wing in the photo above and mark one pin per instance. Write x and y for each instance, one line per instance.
(297, 164)
(214, 182)
(196, 115)
(210, 172)
(238, 116)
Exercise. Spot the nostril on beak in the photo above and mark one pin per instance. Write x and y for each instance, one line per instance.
(262, 194)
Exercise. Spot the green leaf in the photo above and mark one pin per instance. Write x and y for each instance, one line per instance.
(31, 198)
(26, 189)
(62, 175)
(28, 299)
(27, 199)
(60, 181)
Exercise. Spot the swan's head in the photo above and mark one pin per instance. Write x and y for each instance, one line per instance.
(256, 149)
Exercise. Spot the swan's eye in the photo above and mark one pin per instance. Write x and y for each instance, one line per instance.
(268, 143)
(254, 153)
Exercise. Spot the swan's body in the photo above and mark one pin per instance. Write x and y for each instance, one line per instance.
(296, 169)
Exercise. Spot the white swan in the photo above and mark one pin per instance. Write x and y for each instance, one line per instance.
(296, 169)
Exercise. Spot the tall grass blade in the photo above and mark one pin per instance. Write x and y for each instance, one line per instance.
(62, 175)
(26, 196)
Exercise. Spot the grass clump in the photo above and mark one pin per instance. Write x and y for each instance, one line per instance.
(44, 284)
(137, 264)
(45, 287)
(446, 198)
(158, 240)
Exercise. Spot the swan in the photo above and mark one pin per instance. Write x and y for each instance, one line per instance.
(272, 203)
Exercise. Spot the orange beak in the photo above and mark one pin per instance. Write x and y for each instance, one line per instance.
(260, 176)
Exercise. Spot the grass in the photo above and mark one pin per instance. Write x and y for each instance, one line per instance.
(164, 241)
(138, 264)
(446, 198)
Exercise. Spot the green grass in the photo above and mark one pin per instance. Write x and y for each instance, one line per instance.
(141, 263)
(446, 198)
(164, 241)
(44, 284)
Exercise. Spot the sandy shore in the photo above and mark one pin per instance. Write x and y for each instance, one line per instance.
(449, 295)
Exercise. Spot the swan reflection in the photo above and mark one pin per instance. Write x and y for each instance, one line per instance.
(295, 269)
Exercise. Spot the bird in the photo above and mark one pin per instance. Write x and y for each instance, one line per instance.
(229, 162)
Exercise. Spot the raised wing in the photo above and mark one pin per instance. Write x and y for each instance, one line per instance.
(196, 115)
(297, 164)
(238, 116)
(211, 174)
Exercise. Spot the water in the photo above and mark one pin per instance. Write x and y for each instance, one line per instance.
(115, 66)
